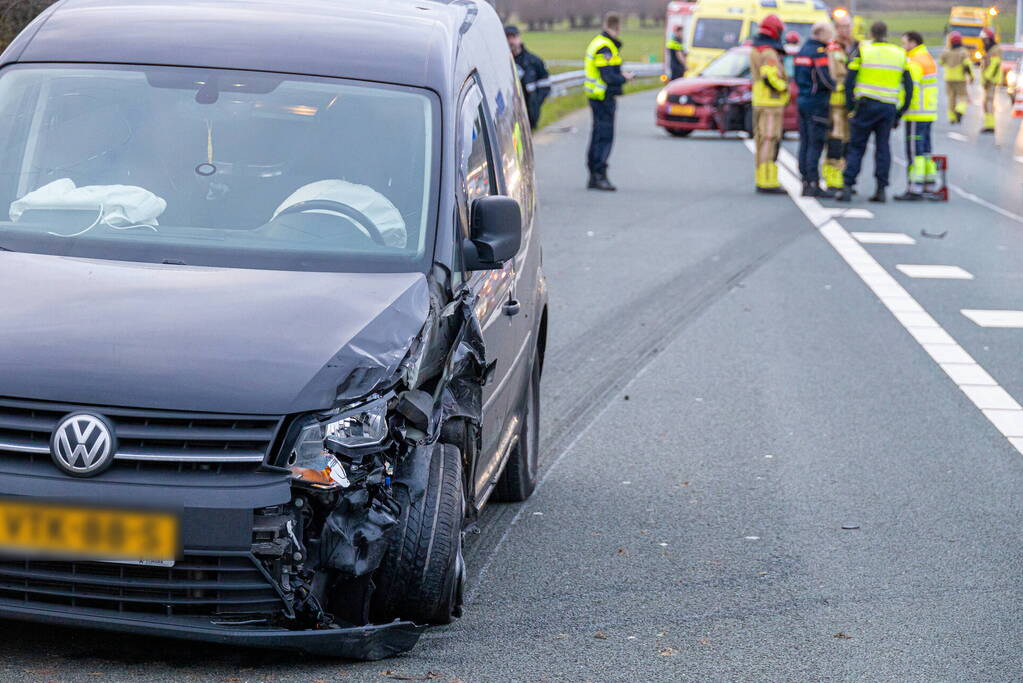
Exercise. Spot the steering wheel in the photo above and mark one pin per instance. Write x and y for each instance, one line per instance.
(349, 212)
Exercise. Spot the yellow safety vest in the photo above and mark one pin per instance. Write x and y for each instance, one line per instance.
(595, 87)
(924, 105)
(880, 67)
(675, 45)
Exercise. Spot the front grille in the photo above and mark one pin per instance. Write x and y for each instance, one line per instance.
(146, 438)
(683, 119)
(211, 585)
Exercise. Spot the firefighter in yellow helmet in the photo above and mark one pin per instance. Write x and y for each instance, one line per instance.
(958, 72)
(991, 74)
(770, 96)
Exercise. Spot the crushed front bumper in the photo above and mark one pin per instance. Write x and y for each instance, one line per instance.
(357, 642)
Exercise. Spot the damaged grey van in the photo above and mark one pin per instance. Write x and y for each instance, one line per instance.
(272, 318)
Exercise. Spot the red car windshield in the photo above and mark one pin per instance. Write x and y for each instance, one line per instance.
(732, 64)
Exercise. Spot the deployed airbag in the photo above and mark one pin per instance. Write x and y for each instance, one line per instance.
(121, 206)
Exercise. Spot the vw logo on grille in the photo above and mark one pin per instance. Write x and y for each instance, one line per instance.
(83, 445)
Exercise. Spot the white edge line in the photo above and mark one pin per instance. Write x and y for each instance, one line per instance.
(934, 340)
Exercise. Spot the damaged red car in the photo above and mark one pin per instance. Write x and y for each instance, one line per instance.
(719, 99)
(274, 316)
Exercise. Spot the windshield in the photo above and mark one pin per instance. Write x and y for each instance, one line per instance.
(732, 64)
(968, 31)
(718, 34)
(802, 29)
(216, 168)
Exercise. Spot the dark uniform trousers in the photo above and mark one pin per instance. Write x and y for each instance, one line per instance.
(602, 137)
(871, 118)
(814, 124)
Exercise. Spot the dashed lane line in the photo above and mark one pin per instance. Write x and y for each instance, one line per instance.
(969, 196)
(851, 213)
(959, 137)
(934, 272)
(1008, 319)
(882, 237)
(1001, 409)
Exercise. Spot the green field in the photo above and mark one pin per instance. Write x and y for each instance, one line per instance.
(639, 45)
(931, 24)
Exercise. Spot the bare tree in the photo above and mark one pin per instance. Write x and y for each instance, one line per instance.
(16, 15)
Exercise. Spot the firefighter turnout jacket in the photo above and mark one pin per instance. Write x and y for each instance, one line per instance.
(770, 82)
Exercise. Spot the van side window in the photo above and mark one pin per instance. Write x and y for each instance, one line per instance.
(476, 170)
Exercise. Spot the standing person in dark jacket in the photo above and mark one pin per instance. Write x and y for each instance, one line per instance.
(536, 83)
(815, 87)
(878, 80)
(604, 82)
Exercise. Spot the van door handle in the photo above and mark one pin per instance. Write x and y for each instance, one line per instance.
(512, 308)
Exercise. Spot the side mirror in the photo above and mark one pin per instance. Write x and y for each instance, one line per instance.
(496, 229)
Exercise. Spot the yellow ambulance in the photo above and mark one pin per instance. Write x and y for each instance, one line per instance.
(719, 25)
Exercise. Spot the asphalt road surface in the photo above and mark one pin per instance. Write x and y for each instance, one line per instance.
(769, 452)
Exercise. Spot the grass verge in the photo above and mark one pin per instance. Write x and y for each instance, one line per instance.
(555, 109)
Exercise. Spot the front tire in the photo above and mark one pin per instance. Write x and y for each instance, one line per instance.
(420, 578)
(522, 472)
(679, 132)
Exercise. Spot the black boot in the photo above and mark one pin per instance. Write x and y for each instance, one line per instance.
(908, 196)
(811, 190)
(845, 194)
(600, 182)
(879, 196)
(829, 193)
(592, 184)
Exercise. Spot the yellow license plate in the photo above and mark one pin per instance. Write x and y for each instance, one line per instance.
(94, 533)
(682, 110)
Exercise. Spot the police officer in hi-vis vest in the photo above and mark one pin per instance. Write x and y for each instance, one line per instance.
(604, 82)
(876, 83)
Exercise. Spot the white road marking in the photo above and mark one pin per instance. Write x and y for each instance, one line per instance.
(1012, 319)
(882, 237)
(985, 203)
(852, 213)
(935, 272)
(990, 398)
(959, 137)
(974, 198)
(1019, 160)
(1001, 409)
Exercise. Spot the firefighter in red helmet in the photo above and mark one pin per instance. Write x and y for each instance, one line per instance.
(770, 96)
(955, 61)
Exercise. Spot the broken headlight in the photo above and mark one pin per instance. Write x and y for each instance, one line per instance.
(314, 459)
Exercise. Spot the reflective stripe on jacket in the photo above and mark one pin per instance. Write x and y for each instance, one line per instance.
(924, 105)
(602, 52)
(879, 70)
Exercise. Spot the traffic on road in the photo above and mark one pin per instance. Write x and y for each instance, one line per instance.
(312, 358)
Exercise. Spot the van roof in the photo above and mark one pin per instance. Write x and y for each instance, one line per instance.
(410, 42)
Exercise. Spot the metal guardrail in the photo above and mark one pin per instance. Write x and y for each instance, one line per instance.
(562, 84)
